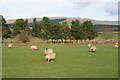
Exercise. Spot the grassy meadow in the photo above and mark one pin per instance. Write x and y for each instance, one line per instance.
(72, 61)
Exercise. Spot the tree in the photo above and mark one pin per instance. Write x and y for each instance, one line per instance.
(21, 29)
(65, 31)
(6, 32)
(37, 29)
(46, 28)
(19, 25)
(76, 30)
(3, 21)
(26, 25)
(24, 36)
(88, 30)
(55, 32)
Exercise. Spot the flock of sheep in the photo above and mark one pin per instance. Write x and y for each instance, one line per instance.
(116, 45)
(50, 55)
(93, 48)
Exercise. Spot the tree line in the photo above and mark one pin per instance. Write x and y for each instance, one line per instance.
(46, 30)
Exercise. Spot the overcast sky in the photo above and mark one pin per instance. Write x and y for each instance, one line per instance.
(93, 9)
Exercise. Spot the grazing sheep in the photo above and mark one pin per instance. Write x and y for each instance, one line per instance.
(34, 47)
(115, 46)
(93, 48)
(50, 57)
(10, 46)
(48, 51)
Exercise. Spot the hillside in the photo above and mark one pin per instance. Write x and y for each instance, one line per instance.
(68, 19)
(113, 22)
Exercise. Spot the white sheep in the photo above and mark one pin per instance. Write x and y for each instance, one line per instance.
(47, 57)
(89, 45)
(34, 47)
(115, 46)
(48, 51)
(93, 48)
(53, 56)
(9, 45)
(116, 43)
(50, 57)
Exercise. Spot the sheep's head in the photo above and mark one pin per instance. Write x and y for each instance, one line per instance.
(46, 48)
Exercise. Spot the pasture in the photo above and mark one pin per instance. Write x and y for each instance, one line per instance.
(72, 61)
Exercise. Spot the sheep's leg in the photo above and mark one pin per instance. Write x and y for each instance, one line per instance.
(52, 60)
(88, 50)
(48, 60)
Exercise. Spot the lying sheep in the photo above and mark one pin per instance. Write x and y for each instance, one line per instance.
(48, 51)
(93, 49)
(10, 46)
(34, 47)
(50, 57)
(115, 46)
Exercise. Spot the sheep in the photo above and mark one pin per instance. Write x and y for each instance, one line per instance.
(47, 57)
(89, 45)
(47, 51)
(50, 57)
(116, 43)
(93, 48)
(115, 46)
(53, 56)
(34, 47)
(9, 45)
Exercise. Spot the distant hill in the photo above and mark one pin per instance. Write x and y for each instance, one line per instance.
(67, 19)
(113, 22)
(97, 24)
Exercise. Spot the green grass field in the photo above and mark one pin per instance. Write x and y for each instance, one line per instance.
(72, 61)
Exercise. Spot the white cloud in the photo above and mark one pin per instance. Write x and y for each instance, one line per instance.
(66, 8)
(39, 9)
(32, 1)
(95, 11)
(93, 0)
(81, 4)
(59, 0)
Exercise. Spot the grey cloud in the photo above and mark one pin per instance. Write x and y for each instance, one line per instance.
(111, 8)
(82, 4)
